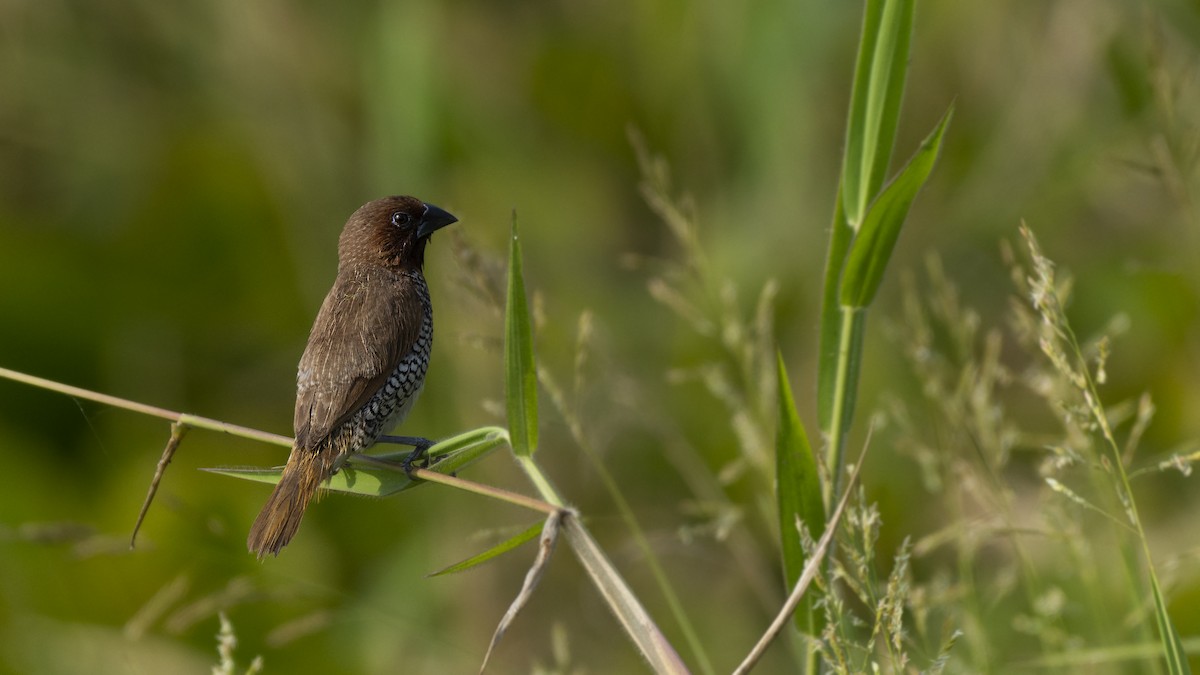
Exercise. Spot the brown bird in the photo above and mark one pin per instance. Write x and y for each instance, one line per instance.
(366, 356)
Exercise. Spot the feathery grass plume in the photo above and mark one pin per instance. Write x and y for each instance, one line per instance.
(1071, 359)
(1049, 547)
(868, 629)
(226, 644)
(743, 379)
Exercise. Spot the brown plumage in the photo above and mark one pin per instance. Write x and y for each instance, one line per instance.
(366, 356)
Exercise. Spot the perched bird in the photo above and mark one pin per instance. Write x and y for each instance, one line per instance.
(366, 356)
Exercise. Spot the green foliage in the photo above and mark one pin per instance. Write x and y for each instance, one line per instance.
(1060, 345)
(798, 494)
(862, 237)
(527, 535)
(520, 371)
(879, 77)
(1172, 646)
(880, 74)
(1082, 521)
(872, 246)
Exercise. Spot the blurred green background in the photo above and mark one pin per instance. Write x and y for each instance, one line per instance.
(173, 178)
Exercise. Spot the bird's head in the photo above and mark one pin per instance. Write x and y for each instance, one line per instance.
(392, 232)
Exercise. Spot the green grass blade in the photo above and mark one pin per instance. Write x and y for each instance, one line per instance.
(853, 183)
(872, 248)
(798, 494)
(520, 371)
(1176, 655)
(372, 481)
(499, 549)
(890, 73)
(879, 77)
(880, 73)
(823, 547)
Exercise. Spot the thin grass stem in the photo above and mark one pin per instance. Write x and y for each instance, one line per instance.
(153, 411)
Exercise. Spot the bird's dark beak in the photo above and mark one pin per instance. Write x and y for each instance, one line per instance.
(434, 219)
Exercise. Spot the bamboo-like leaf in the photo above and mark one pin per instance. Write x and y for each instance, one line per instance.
(372, 481)
(872, 247)
(879, 76)
(520, 370)
(798, 494)
(493, 552)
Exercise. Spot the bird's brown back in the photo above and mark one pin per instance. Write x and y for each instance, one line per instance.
(369, 321)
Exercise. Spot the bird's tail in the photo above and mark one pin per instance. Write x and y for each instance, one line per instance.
(280, 517)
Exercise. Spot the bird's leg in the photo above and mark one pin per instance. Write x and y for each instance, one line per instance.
(420, 447)
(414, 441)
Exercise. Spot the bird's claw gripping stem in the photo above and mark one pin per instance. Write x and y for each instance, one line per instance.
(420, 448)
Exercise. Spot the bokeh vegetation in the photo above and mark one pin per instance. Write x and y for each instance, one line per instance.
(172, 181)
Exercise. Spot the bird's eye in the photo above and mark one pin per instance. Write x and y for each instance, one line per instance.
(401, 219)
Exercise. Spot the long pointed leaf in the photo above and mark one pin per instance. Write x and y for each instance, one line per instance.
(872, 248)
(1177, 659)
(806, 577)
(499, 549)
(879, 78)
(520, 370)
(798, 494)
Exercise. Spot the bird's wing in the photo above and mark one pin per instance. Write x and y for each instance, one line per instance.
(369, 321)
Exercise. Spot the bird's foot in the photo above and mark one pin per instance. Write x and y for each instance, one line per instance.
(420, 448)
